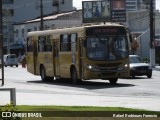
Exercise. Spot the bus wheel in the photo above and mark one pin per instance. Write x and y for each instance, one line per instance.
(149, 75)
(43, 74)
(113, 81)
(74, 78)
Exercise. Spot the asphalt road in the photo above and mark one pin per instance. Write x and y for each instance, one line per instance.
(140, 92)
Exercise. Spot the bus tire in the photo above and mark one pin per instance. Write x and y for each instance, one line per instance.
(149, 75)
(74, 77)
(43, 75)
(113, 81)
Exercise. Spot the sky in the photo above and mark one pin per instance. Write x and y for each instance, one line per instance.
(78, 4)
(158, 4)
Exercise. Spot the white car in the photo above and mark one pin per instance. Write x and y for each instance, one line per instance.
(10, 60)
(138, 67)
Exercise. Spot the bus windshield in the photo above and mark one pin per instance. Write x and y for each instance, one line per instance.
(107, 47)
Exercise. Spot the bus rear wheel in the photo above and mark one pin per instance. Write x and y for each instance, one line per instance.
(74, 77)
(113, 81)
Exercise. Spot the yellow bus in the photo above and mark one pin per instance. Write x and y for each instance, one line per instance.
(79, 53)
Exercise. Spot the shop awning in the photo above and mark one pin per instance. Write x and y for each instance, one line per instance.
(17, 46)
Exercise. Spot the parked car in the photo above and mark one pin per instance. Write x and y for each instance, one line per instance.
(10, 60)
(138, 67)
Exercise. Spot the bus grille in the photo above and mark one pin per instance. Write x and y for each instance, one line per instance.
(109, 74)
(109, 65)
(142, 68)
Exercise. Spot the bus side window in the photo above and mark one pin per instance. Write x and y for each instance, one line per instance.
(65, 43)
(29, 45)
(48, 44)
(73, 42)
(41, 43)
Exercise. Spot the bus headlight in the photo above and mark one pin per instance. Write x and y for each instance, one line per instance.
(92, 68)
(123, 67)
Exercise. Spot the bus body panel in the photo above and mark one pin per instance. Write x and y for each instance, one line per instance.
(46, 60)
(65, 63)
(30, 63)
(56, 63)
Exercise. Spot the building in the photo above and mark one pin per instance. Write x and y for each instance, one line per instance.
(29, 9)
(131, 5)
(21, 10)
(134, 5)
(61, 20)
(137, 22)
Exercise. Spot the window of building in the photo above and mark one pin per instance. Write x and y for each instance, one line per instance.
(55, 2)
(158, 30)
(17, 33)
(7, 1)
(7, 12)
(35, 28)
(22, 32)
(53, 26)
(65, 43)
(11, 12)
(62, 1)
(39, 27)
(4, 39)
(29, 30)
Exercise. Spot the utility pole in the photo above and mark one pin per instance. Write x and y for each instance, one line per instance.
(1, 42)
(41, 11)
(152, 35)
(8, 32)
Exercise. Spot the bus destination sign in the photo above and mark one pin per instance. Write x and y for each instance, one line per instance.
(105, 31)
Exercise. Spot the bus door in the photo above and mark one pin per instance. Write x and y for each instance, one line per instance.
(31, 55)
(35, 57)
(56, 64)
(73, 47)
(80, 47)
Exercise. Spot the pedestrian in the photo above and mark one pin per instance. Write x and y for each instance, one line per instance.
(24, 61)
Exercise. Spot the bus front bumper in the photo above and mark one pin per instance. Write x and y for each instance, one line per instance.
(104, 74)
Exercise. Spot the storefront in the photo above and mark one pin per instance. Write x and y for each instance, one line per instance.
(18, 49)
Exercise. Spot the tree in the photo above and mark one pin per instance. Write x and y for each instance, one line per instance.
(134, 46)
